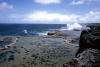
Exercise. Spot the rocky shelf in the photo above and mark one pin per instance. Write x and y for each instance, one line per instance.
(7, 42)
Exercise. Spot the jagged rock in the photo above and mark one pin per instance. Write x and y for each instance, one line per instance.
(88, 58)
(89, 39)
(88, 54)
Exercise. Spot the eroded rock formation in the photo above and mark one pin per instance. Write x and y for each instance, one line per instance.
(88, 54)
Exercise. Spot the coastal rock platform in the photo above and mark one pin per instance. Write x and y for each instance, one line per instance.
(39, 51)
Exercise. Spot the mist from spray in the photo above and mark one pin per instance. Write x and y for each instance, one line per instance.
(74, 26)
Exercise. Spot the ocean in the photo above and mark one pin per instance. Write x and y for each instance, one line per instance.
(28, 29)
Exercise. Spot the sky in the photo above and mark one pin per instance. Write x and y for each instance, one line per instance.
(49, 11)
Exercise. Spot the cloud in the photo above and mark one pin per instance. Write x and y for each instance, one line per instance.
(50, 18)
(91, 17)
(80, 2)
(77, 2)
(5, 6)
(44, 16)
(48, 1)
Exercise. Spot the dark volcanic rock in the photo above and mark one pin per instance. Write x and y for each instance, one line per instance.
(88, 54)
(51, 33)
(88, 58)
(56, 32)
(89, 39)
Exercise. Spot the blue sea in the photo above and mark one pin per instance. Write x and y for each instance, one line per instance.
(28, 29)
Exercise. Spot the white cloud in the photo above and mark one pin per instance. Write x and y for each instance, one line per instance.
(91, 17)
(44, 16)
(5, 6)
(48, 1)
(77, 2)
(50, 18)
(80, 2)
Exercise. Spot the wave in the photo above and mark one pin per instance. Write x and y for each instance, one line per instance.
(25, 31)
(43, 33)
(75, 26)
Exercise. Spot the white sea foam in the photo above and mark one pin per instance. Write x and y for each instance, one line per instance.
(43, 33)
(74, 26)
(25, 31)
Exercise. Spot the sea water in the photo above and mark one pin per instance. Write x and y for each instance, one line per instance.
(28, 29)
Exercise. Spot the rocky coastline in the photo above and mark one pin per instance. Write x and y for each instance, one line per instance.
(57, 49)
(38, 51)
(88, 54)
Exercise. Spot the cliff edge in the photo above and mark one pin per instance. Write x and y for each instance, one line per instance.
(88, 54)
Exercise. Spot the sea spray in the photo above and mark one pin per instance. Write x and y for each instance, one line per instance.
(74, 26)
(25, 31)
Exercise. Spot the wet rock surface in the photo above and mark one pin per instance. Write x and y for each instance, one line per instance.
(39, 51)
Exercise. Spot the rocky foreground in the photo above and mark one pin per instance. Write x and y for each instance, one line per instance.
(88, 54)
(38, 51)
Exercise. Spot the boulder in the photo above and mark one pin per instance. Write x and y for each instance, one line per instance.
(51, 33)
(56, 33)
